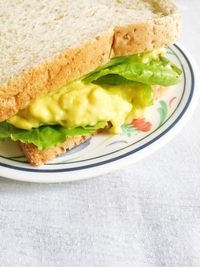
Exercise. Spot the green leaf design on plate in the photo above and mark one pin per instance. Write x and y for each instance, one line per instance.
(163, 111)
(128, 129)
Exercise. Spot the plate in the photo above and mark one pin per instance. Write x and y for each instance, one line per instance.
(104, 153)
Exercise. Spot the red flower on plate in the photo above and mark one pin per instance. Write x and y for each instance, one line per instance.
(172, 101)
(141, 125)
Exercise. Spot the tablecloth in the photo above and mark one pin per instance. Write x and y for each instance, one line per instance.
(147, 214)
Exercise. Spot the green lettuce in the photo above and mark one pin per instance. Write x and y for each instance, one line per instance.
(114, 79)
(45, 136)
(141, 69)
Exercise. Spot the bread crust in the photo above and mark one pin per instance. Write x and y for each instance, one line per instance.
(76, 62)
(39, 157)
(146, 36)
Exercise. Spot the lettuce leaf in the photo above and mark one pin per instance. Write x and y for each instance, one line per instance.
(114, 79)
(45, 136)
(141, 69)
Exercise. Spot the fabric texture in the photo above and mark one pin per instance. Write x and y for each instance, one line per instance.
(147, 214)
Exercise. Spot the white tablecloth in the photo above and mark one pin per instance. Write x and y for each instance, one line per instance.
(147, 214)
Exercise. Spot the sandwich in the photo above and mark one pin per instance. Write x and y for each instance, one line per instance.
(70, 69)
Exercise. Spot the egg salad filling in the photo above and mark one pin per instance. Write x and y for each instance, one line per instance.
(115, 93)
(81, 104)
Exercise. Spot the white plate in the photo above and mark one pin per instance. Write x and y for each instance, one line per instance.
(104, 153)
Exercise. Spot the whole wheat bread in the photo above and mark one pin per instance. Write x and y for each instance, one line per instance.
(47, 43)
(39, 157)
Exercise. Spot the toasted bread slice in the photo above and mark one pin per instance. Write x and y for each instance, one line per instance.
(44, 44)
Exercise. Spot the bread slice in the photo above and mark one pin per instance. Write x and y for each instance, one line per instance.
(45, 44)
(39, 157)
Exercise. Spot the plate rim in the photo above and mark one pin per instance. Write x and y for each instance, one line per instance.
(95, 169)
